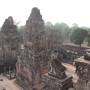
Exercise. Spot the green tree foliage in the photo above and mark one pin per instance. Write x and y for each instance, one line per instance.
(48, 26)
(78, 36)
(53, 35)
(88, 38)
(64, 29)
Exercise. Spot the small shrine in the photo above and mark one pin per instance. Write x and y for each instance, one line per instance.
(56, 78)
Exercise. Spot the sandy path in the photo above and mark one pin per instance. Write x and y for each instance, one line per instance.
(8, 84)
(71, 71)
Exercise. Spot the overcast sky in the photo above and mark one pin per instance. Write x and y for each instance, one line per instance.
(68, 11)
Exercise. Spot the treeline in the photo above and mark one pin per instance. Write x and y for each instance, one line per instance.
(66, 34)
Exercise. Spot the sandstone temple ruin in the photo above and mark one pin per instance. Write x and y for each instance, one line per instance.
(34, 53)
(36, 56)
(9, 44)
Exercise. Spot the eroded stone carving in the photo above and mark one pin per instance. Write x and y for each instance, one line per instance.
(57, 69)
(56, 79)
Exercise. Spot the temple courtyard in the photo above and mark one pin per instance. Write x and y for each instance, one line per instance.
(6, 84)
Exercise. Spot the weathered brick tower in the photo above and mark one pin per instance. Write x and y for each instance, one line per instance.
(30, 59)
(9, 43)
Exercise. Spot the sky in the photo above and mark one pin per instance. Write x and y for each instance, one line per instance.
(67, 11)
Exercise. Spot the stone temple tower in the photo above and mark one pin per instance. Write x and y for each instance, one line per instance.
(9, 44)
(29, 60)
(35, 28)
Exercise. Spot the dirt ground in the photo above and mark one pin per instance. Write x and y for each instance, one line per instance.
(71, 71)
(7, 84)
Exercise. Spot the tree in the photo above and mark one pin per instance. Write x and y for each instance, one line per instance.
(78, 36)
(74, 26)
(49, 26)
(88, 38)
(64, 29)
(53, 35)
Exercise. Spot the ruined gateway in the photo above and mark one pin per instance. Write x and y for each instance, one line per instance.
(32, 64)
